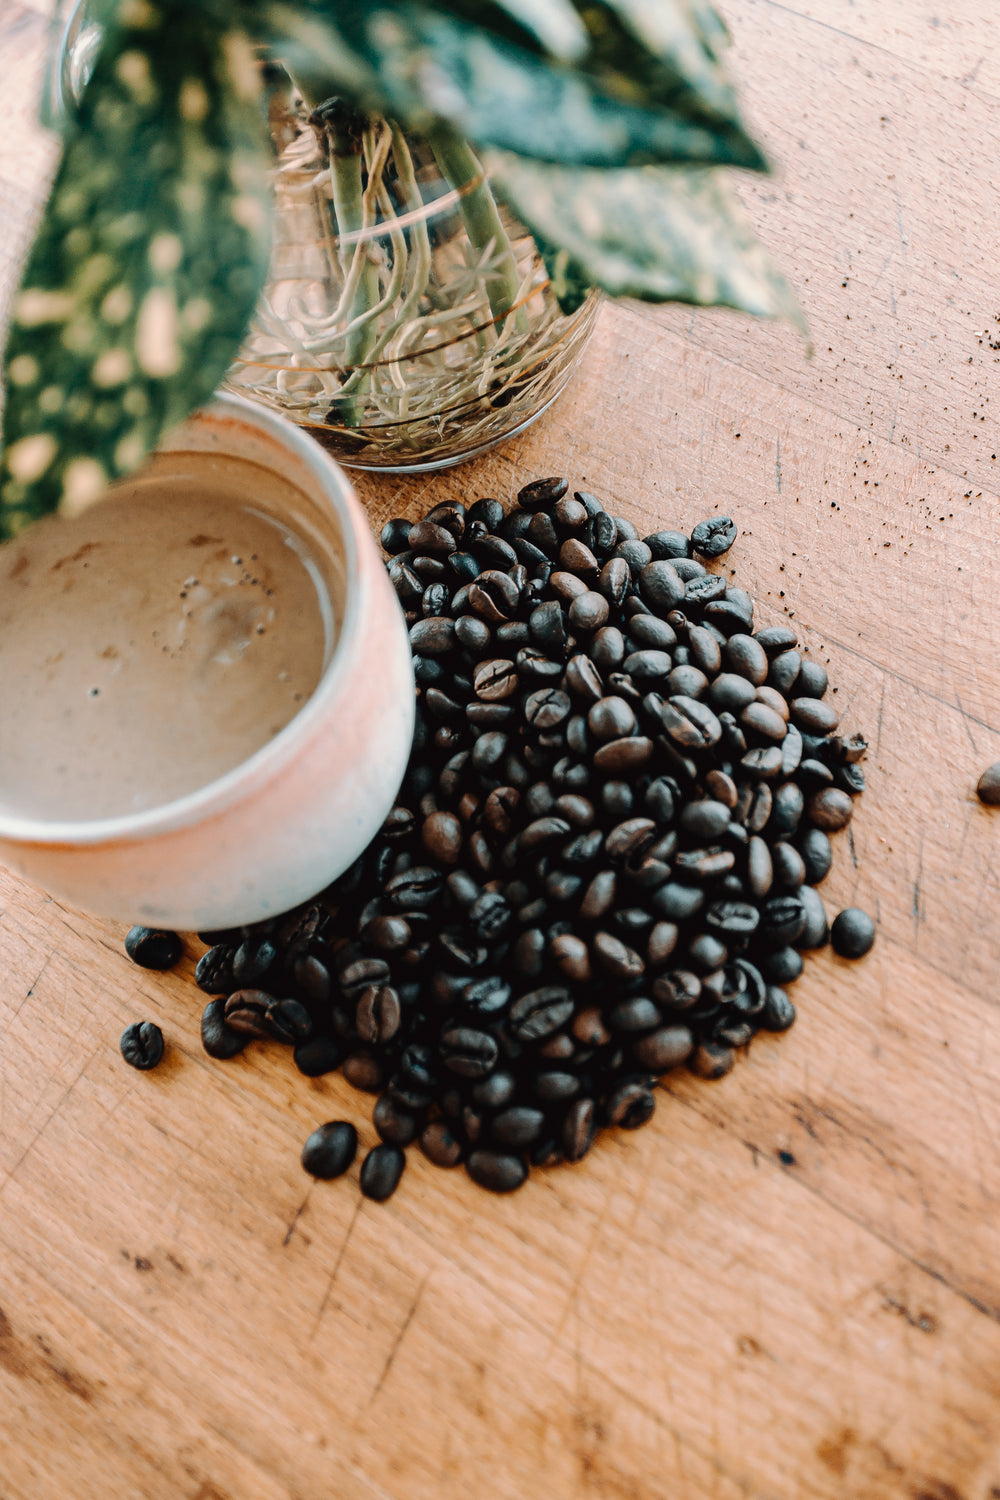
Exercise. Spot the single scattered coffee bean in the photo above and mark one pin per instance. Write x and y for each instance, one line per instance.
(153, 947)
(142, 1045)
(852, 933)
(714, 537)
(988, 786)
(330, 1150)
(380, 1172)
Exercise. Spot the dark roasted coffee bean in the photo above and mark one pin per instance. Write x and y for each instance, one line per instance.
(547, 625)
(782, 919)
(732, 920)
(777, 639)
(782, 966)
(395, 535)
(364, 1071)
(578, 1129)
(830, 809)
(850, 779)
(679, 990)
(379, 1014)
(289, 1022)
(330, 1150)
(852, 933)
(789, 866)
(380, 1172)
(760, 871)
(635, 1015)
(318, 1055)
(253, 960)
(714, 537)
(706, 953)
(779, 1012)
(663, 1049)
(427, 537)
(486, 512)
(624, 757)
(668, 544)
(661, 586)
(434, 636)
(359, 973)
(153, 947)
(607, 649)
(761, 721)
(784, 669)
(214, 973)
(576, 557)
(635, 554)
(518, 1126)
(218, 1039)
(498, 1171)
(630, 1105)
(704, 819)
(542, 534)
(812, 681)
(541, 494)
(746, 658)
(247, 1010)
(588, 613)
(988, 786)
(468, 1052)
(439, 1145)
(540, 1013)
(648, 631)
(412, 890)
(677, 902)
(554, 1087)
(687, 682)
(704, 864)
(813, 716)
(712, 1059)
(816, 773)
(816, 931)
(817, 853)
(142, 1044)
(494, 597)
(395, 1125)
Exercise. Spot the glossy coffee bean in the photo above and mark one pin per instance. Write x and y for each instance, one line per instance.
(380, 1172)
(330, 1150)
(852, 933)
(153, 947)
(142, 1045)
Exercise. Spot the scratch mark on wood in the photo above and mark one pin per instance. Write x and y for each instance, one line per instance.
(777, 464)
(850, 845)
(922, 1321)
(399, 1339)
(333, 1273)
(295, 1220)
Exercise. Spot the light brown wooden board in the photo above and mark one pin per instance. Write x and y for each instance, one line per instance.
(687, 1314)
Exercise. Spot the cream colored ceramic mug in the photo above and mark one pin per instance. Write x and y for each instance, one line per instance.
(202, 729)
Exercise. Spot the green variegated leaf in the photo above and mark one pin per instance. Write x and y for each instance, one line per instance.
(665, 234)
(147, 263)
(620, 104)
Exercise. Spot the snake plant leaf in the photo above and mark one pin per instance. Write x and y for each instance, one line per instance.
(552, 26)
(665, 234)
(619, 105)
(147, 263)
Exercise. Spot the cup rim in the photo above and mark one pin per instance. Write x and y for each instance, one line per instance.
(218, 795)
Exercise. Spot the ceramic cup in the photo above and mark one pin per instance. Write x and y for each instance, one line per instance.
(281, 825)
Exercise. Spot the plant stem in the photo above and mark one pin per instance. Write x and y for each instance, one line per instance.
(344, 128)
(460, 167)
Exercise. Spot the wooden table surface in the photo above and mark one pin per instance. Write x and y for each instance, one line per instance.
(788, 1285)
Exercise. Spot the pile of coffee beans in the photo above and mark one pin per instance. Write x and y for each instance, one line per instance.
(603, 859)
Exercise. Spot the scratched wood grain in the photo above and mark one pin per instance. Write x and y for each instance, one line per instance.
(788, 1284)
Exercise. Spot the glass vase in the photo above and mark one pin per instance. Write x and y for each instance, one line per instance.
(407, 321)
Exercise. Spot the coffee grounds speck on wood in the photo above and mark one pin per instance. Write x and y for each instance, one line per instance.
(603, 858)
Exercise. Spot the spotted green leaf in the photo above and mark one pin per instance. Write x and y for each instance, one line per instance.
(665, 234)
(147, 263)
(619, 104)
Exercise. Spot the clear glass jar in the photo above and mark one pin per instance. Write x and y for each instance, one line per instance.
(407, 321)
(422, 334)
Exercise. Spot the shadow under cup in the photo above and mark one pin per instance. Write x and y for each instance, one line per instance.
(240, 737)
